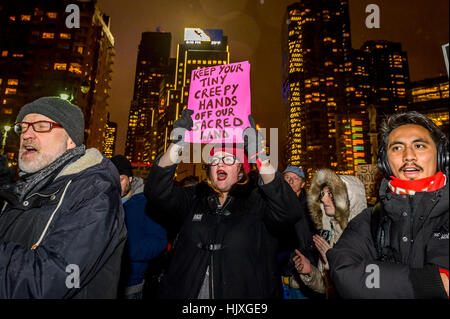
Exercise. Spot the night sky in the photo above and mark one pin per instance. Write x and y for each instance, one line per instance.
(253, 28)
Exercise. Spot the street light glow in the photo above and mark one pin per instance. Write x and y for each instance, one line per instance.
(7, 128)
(64, 96)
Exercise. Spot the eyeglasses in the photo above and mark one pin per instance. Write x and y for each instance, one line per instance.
(39, 126)
(227, 160)
(323, 193)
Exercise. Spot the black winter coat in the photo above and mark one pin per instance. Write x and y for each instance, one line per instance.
(87, 230)
(238, 243)
(419, 236)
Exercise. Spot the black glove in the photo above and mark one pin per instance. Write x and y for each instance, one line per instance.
(180, 126)
(253, 142)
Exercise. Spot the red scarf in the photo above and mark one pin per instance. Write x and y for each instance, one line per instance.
(410, 187)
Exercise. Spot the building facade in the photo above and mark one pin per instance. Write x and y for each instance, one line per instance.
(109, 142)
(41, 56)
(152, 66)
(325, 108)
(431, 98)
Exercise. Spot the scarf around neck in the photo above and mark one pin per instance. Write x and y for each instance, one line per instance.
(410, 187)
(38, 180)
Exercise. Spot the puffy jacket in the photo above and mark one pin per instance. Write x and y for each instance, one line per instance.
(418, 235)
(87, 234)
(146, 239)
(349, 198)
(236, 243)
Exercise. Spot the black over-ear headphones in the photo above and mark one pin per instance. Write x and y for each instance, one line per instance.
(443, 157)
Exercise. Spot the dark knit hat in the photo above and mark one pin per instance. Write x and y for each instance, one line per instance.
(123, 165)
(61, 111)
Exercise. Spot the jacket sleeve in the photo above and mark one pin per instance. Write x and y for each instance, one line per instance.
(146, 239)
(281, 205)
(165, 197)
(356, 273)
(315, 280)
(81, 239)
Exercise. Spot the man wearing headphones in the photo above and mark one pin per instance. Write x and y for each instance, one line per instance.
(400, 247)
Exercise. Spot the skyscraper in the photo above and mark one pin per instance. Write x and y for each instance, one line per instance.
(152, 66)
(389, 77)
(201, 48)
(318, 89)
(109, 144)
(41, 56)
(430, 97)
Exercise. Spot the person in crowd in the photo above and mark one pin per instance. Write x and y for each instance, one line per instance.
(227, 244)
(62, 231)
(400, 247)
(299, 236)
(146, 239)
(333, 200)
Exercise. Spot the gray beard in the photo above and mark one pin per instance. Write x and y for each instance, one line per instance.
(42, 159)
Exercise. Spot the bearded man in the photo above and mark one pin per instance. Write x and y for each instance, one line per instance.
(62, 230)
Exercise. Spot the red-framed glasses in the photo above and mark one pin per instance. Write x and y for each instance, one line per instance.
(39, 126)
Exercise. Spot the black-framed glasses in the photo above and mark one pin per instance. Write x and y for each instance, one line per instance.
(39, 126)
(227, 160)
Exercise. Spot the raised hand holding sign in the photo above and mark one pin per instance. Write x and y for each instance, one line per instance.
(220, 99)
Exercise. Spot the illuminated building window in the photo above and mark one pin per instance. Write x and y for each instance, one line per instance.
(12, 18)
(52, 15)
(25, 17)
(189, 61)
(12, 82)
(10, 91)
(5, 53)
(75, 68)
(17, 55)
(1, 80)
(48, 35)
(7, 111)
(64, 36)
(4, 101)
(60, 66)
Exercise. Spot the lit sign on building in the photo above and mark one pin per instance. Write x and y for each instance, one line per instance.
(198, 35)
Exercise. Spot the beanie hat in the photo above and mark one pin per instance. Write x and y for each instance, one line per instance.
(123, 165)
(236, 151)
(61, 111)
(296, 170)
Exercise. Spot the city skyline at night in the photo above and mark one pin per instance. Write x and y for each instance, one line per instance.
(254, 30)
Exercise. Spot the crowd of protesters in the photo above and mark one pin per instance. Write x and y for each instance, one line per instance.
(75, 224)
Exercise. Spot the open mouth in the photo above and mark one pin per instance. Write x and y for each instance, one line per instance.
(221, 175)
(29, 150)
(411, 170)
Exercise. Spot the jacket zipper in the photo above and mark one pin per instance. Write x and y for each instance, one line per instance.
(211, 263)
(211, 276)
(411, 226)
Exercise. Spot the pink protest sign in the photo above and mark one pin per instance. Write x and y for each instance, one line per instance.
(221, 101)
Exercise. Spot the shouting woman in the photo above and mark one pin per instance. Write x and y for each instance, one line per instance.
(227, 244)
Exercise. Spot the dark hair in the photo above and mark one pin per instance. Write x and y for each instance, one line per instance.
(394, 121)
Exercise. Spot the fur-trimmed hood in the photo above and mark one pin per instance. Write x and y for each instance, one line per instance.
(348, 194)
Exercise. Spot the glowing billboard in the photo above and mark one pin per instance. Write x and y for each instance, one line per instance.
(198, 35)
